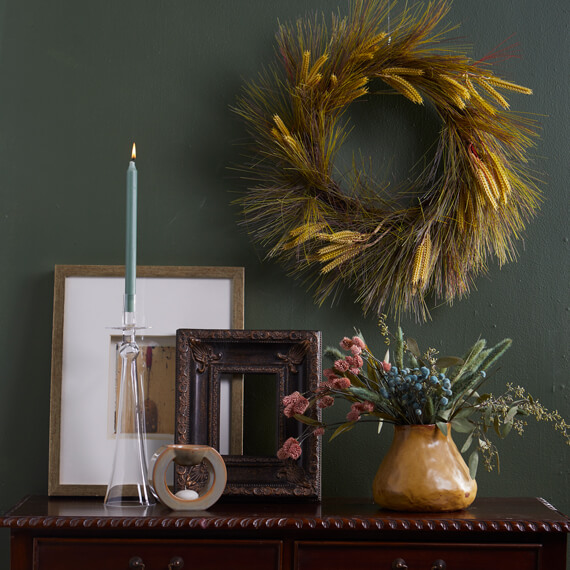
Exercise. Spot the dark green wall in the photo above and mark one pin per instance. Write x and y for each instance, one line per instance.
(79, 81)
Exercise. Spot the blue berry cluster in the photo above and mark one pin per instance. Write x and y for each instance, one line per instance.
(413, 387)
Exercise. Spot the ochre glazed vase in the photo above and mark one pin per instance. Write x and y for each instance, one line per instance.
(423, 471)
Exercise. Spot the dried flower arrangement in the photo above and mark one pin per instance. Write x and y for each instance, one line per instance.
(471, 202)
(416, 388)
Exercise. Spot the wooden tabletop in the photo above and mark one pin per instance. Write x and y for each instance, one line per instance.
(486, 514)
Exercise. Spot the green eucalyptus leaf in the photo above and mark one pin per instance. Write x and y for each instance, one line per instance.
(461, 425)
(506, 429)
(448, 361)
(467, 443)
(473, 464)
(413, 347)
(445, 414)
(442, 426)
(463, 413)
(511, 414)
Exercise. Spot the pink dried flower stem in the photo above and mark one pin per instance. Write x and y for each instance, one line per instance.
(342, 380)
(291, 449)
(295, 403)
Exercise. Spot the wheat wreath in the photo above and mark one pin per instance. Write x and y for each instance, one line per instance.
(469, 205)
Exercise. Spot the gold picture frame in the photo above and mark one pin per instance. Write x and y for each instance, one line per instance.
(87, 311)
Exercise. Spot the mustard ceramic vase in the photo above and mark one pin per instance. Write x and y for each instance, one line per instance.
(423, 471)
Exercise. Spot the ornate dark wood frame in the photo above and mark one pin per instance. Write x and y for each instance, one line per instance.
(295, 357)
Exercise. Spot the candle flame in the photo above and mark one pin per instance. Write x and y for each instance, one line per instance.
(134, 153)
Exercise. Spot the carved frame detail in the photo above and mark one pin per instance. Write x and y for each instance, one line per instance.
(295, 358)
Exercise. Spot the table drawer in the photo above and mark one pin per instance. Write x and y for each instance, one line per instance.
(415, 556)
(122, 554)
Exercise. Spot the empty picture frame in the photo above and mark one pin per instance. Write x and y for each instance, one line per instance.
(274, 364)
(88, 307)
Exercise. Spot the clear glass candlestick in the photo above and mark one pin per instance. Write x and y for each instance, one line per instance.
(128, 485)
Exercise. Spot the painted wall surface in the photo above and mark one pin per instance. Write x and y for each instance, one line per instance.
(79, 81)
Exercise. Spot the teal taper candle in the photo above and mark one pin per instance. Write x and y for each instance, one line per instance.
(131, 236)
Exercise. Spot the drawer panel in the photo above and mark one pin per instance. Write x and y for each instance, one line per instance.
(111, 554)
(416, 556)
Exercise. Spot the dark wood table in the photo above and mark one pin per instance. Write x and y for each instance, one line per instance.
(337, 534)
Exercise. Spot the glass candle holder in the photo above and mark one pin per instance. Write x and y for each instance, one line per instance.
(128, 484)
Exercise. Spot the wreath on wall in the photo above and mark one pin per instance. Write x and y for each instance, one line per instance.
(470, 203)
